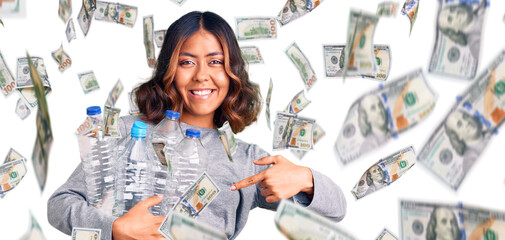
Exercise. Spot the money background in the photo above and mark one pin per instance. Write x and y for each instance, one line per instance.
(115, 52)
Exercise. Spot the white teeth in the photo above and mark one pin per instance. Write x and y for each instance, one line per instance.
(201, 93)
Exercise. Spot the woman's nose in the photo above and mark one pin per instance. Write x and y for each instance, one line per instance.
(202, 73)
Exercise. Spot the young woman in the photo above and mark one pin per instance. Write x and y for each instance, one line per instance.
(201, 73)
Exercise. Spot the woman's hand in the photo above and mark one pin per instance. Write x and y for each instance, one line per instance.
(283, 180)
(139, 223)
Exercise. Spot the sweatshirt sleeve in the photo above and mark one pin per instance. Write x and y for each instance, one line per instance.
(327, 200)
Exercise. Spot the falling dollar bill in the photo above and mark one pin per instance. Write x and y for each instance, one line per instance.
(70, 31)
(268, 99)
(116, 13)
(85, 16)
(256, 28)
(24, 82)
(295, 9)
(111, 124)
(159, 37)
(298, 223)
(384, 113)
(197, 196)
(148, 41)
(65, 9)
(179, 2)
(13, 155)
(410, 8)
(292, 131)
(384, 172)
(298, 103)
(1, 22)
(252, 54)
(22, 110)
(177, 226)
(334, 62)
(387, 9)
(114, 93)
(421, 220)
(134, 108)
(302, 64)
(317, 134)
(11, 173)
(458, 38)
(86, 233)
(7, 82)
(88, 81)
(34, 232)
(360, 48)
(62, 58)
(228, 139)
(386, 235)
(463, 134)
(44, 140)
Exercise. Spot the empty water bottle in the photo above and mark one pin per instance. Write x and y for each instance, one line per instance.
(89, 128)
(190, 161)
(134, 171)
(98, 168)
(166, 135)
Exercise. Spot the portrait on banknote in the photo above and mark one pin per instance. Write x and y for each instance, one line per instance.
(372, 121)
(443, 224)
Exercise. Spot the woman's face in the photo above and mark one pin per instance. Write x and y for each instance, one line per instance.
(465, 126)
(376, 174)
(200, 77)
(456, 18)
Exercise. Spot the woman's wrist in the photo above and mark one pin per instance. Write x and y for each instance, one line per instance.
(309, 183)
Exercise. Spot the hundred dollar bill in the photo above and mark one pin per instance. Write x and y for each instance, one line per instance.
(256, 28)
(252, 54)
(70, 31)
(24, 82)
(115, 12)
(88, 81)
(482, 223)
(11, 173)
(384, 172)
(22, 110)
(334, 62)
(384, 113)
(13, 155)
(159, 37)
(7, 82)
(86, 233)
(410, 8)
(197, 197)
(302, 64)
(458, 38)
(148, 41)
(387, 9)
(360, 47)
(177, 226)
(228, 139)
(85, 15)
(386, 235)
(111, 124)
(65, 9)
(457, 142)
(114, 93)
(34, 232)
(317, 134)
(268, 99)
(298, 103)
(295, 9)
(62, 58)
(44, 140)
(299, 223)
(179, 2)
(292, 131)
(134, 109)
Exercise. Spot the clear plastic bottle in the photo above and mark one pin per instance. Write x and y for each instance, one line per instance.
(89, 128)
(98, 167)
(165, 136)
(190, 161)
(134, 171)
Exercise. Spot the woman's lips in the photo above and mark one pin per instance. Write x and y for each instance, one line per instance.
(201, 94)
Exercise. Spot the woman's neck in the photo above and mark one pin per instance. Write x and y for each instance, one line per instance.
(204, 121)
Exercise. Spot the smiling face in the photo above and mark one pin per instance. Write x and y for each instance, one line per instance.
(201, 79)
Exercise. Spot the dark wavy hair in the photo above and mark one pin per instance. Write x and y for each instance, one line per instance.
(243, 101)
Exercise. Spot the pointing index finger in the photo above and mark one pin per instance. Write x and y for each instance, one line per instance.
(246, 182)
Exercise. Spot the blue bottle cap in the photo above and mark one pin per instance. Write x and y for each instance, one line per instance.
(172, 114)
(93, 110)
(192, 133)
(139, 129)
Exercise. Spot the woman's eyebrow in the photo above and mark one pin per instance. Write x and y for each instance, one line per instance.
(214, 54)
(208, 55)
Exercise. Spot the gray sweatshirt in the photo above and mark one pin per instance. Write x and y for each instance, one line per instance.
(67, 207)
